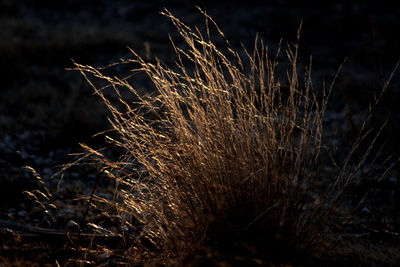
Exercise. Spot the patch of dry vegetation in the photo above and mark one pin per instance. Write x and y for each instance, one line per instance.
(224, 156)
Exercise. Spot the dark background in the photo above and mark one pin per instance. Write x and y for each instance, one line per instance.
(45, 110)
(39, 39)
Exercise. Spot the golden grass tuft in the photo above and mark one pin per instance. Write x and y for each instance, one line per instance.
(223, 156)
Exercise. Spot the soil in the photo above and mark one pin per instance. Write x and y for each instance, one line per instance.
(47, 109)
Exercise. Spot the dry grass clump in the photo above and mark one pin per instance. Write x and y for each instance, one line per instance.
(224, 154)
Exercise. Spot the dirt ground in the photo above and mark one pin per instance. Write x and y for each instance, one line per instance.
(46, 109)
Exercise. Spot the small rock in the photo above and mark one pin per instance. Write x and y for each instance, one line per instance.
(23, 154)
(46, 172)
(22, 213)
(72, 226)
(7, 139)
(39, 160)
(366, 210)
(336, 143)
